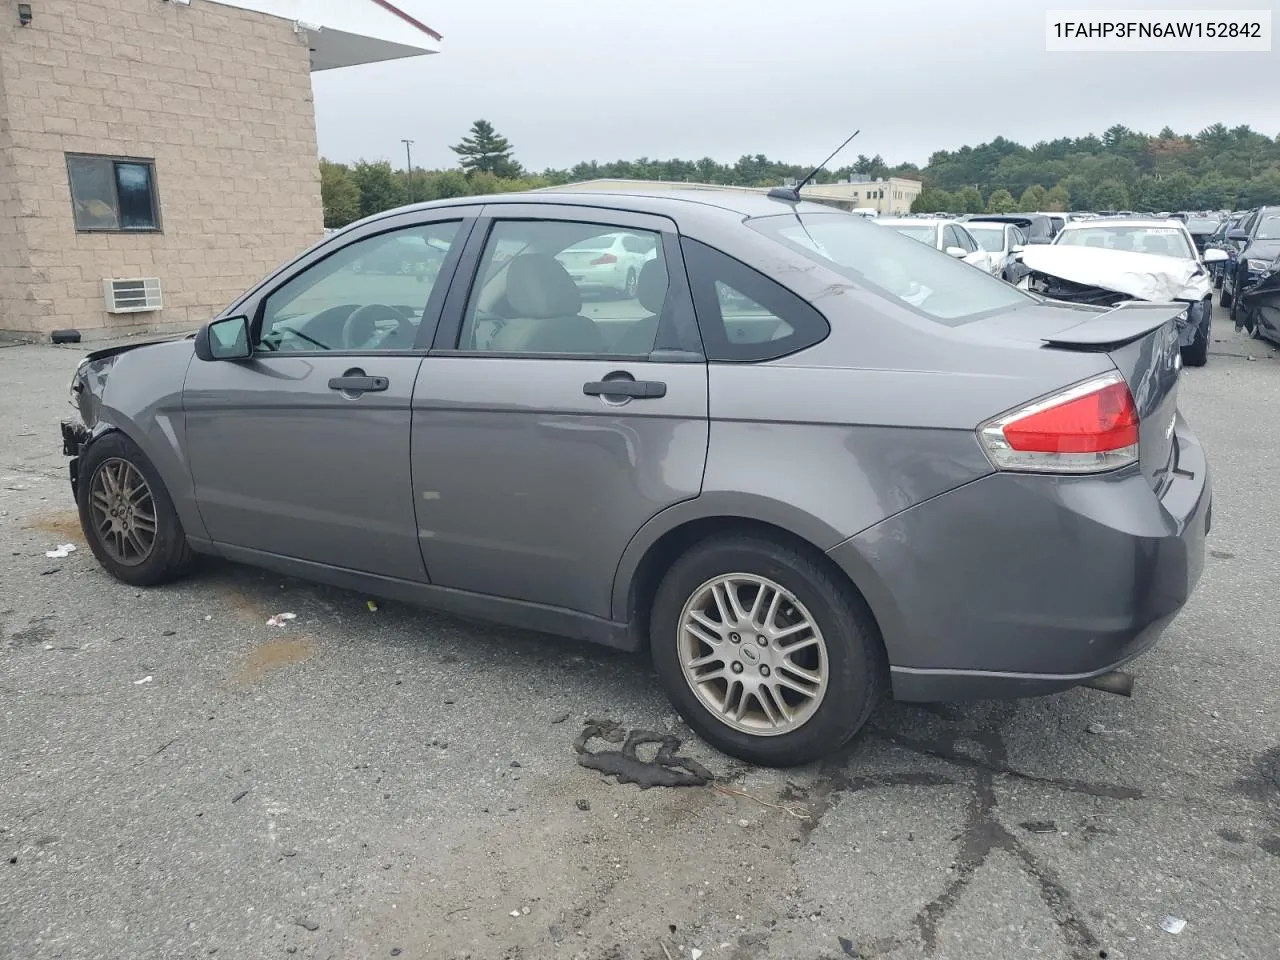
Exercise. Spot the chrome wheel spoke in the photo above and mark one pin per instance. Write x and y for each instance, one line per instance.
(810, 676)
(790, 631)
(713, 657)
(792, 649)
(782, 680)
(763, 698)
(720, 593)
(701, 633)
(729, 687)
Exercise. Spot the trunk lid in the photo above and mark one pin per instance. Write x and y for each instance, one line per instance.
(1140, 338)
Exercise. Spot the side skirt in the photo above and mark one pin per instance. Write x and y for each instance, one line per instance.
(520, 614)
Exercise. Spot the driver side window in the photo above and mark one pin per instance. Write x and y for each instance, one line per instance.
(370, 295)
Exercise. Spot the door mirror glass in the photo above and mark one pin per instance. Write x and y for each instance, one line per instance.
(1238, 235)
(1016, 248)
(1214, 255)
(957, 252)
(226, 339)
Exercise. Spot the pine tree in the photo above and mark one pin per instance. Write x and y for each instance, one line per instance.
(484, 151)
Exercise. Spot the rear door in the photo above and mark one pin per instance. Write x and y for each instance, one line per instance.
(550, 422)
(302, 450)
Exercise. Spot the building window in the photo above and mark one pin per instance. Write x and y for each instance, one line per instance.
(113, 193)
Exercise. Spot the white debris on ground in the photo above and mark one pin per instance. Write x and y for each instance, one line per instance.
(146, 679)
(280, 619)
(60, 551)
(1173, 924)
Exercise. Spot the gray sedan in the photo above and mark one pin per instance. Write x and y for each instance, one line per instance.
(806, 462)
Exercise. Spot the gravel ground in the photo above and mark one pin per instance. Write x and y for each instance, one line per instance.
(181, 779)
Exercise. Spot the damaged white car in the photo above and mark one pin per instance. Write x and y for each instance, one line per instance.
(1106, 262)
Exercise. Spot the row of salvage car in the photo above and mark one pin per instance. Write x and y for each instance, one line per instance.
(1106, 261)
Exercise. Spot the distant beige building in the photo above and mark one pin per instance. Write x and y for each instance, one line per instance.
(888, 197)
(158, 156)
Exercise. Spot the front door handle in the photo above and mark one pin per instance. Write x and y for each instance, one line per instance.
(634, 389)
(358, 383)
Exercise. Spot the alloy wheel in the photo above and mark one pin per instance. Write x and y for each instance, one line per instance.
(124, 512)
(753, 654)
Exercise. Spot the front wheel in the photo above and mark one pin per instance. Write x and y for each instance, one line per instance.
(127, 516)
(763, 651)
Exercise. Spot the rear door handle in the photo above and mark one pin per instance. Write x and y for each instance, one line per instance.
(635, 389)
(358, 384)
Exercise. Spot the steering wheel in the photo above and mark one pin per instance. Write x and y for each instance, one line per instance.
(362, 324)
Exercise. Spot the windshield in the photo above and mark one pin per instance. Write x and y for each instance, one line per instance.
(989, 238)
(893, 266)
(1166, 241)
(1268, 229)
(926, 233)
(1202, 225)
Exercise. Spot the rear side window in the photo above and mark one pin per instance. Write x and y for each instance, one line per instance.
(743, 315)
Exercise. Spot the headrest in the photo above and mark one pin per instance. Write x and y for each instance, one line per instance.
(538, 286)
(651, 285)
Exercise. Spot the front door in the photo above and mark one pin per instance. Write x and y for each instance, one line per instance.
(303, 449)
(555, 416)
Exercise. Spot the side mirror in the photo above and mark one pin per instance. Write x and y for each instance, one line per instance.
(226, 339)
(958, 252)
(1214, 255)
(1238, 235)
(1017, 248)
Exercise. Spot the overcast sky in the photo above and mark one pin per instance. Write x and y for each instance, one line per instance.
(569, 80)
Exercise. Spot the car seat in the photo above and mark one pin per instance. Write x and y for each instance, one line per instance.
(546, 303)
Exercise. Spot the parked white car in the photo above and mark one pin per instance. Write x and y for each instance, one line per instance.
(609, 263)
(948, 236)
(1002, 241)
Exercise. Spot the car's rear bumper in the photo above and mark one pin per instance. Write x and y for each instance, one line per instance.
(1017, 585)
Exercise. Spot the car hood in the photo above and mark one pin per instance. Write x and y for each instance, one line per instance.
(107, 352)
(1263, 250)
(1143, 276)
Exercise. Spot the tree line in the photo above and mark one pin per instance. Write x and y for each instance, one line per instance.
(1217, 168)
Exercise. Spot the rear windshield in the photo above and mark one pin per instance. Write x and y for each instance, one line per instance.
(883, 261)
(1201, 225)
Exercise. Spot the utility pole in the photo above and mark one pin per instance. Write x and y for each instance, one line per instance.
(408, 171)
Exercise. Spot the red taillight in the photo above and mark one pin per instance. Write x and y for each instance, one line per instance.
(603, 259)
(1090, 427)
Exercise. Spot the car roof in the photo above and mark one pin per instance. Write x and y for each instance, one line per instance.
(913, 221)
(671, 203)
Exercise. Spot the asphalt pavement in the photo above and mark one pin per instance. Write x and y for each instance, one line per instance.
(180, 779)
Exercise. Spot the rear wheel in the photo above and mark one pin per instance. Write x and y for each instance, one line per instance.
(127, 516)
(763, 651)
(1224, 298)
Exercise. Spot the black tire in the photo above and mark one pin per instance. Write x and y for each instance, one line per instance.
(855, 659)
(171, 556)
(1224, 299)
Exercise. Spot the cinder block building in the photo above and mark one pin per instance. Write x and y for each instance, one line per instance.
(158, 156)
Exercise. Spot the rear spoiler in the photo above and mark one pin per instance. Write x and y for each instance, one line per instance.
(1123, 324)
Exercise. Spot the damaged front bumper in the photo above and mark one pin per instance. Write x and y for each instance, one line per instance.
(74, 436)
(1196, 317)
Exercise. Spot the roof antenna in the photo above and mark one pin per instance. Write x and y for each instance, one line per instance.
(792, 194)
